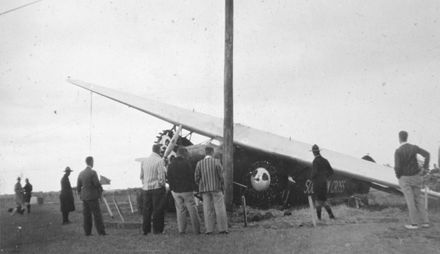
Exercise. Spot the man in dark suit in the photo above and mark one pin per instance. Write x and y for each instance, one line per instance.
(90, 191)
(321, 170)
(27, 194)
(410, 180)
(66, 196)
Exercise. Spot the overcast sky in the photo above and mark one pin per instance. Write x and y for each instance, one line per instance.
(347, 75)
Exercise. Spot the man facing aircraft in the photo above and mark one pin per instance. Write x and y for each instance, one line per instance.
(209, 177)
(153, 173)
(90, 191)
(182, 185)
(410, 179)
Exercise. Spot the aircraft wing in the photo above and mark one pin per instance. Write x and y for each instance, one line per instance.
(250, 137)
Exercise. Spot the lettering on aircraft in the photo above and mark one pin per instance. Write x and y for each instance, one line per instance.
(333, 186)
(309, 187)
(336, 186)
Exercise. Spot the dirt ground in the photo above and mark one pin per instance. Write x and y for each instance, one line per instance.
(374, 229)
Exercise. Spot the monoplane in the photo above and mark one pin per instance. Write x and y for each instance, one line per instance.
(263, 162)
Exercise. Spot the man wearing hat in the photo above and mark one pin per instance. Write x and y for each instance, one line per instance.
(19, 198)
(66, 196)
(27, 190)
(321, 170)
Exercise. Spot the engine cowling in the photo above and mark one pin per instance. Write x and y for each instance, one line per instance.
(260, 179)
(263, 185)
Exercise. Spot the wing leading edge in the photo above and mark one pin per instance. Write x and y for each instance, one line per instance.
(249, 137)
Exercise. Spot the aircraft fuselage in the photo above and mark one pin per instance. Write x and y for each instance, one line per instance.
(280, 191)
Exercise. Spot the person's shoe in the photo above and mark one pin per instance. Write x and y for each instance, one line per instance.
(89, 234)
(103, 233)
(208, 233)
(223, 232)
(425, 225)
(411, 226)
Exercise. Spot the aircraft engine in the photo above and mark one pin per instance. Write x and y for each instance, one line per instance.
(164, 139)
(264, 187)
(260, 179)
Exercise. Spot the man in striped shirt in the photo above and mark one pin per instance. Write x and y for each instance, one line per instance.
(209, 177)
(153, 185)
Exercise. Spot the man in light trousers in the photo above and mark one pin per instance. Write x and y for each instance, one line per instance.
(209, 177)
(410, 180)
(182, 185)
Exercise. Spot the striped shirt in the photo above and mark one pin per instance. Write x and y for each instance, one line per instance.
(209, 175)
(153, 172)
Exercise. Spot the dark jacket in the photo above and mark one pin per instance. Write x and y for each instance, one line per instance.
(66, 195)
(321, 169)
(27, 192)
(405, 160)
(88, 185)
(181, 175)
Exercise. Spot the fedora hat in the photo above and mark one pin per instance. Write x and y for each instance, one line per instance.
(68, 169)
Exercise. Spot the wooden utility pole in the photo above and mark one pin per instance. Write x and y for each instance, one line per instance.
(228, 126)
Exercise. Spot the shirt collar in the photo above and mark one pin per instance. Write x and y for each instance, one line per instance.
(208, 156)
(403, 143)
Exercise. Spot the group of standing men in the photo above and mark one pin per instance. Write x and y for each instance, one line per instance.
(184, 181)
(22, 197)
(90, 191)
(207, 179)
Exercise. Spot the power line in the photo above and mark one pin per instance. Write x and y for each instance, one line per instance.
(19, 7)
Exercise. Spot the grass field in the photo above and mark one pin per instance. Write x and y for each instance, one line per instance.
(375, 229)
